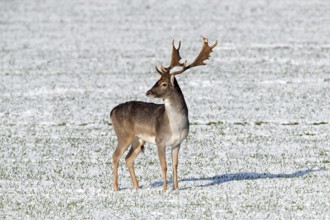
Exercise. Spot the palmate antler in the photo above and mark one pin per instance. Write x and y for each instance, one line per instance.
(175, 60)
(203, 55)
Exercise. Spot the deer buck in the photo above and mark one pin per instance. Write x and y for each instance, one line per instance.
(165, 124)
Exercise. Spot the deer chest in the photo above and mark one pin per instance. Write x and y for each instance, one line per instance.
(179, 128)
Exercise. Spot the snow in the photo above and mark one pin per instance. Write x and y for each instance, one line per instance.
(259, 138)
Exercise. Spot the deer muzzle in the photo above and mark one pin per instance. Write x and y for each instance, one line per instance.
(149, 93)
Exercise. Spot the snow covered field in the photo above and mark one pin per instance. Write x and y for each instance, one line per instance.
(259, 143)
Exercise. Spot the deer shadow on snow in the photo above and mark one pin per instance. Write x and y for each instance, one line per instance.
(219, 179)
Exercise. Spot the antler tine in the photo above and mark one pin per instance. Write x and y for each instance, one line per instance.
(175, 58)
(205, 40)
(164, 69)
(203, 55)
(158, 71)
(178, 46)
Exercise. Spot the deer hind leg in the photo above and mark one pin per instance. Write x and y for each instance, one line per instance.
(136, 147)
(123, 143)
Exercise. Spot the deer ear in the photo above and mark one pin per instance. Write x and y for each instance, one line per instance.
(172, 80)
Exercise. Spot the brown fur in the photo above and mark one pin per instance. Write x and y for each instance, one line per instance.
(131, 120)
(165, 125)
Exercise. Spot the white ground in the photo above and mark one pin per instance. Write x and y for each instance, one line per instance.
(259, 145)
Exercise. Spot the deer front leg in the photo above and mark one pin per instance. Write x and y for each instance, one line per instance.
(162, 158)
(175, 162)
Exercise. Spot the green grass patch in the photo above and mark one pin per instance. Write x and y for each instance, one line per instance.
(320, 123)
(215, 123)
(194, 123)
(290, 123)
(62, 124)
(241, 123)
(310, 134)
(260, 123)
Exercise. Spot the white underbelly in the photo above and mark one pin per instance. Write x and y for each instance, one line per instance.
(147, 138)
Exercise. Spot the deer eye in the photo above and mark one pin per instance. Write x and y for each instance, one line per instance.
(164, 84)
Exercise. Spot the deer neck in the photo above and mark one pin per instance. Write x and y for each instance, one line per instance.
(175, 105)
(176, 112)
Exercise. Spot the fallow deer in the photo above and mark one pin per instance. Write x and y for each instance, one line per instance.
(165, 124)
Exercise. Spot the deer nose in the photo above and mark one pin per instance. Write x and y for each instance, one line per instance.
(148, 93)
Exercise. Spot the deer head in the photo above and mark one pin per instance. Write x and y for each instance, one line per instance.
(167, 82)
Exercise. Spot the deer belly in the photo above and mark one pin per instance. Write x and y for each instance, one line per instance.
(147, 138)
